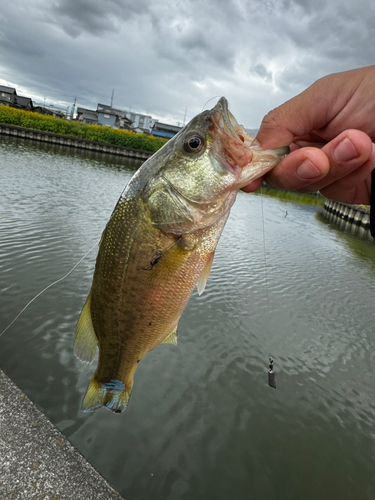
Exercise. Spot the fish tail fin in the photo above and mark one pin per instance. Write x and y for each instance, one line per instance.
(113, 395)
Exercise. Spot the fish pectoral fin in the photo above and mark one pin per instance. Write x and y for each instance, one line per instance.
(201, 283)
(86, 341)
(113, 395)
(171, 338)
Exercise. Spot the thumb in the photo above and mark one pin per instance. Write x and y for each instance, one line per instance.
(311, 110)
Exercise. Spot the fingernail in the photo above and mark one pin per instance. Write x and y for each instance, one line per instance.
(307, 170)
(345, 151)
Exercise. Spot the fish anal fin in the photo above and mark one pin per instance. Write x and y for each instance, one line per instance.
(86, 341)
(171, 338)
(201, 283)
(112, 395)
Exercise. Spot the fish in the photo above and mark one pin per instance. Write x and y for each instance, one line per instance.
(159, 243)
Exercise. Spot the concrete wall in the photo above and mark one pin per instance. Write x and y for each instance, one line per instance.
(72, 142)
(352, 218)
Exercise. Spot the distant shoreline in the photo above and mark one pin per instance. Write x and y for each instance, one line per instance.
(293, 196)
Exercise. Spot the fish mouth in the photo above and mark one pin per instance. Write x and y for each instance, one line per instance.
(224, 118)
(232, 138)
(240, 148)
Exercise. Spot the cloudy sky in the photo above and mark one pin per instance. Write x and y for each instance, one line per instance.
(162, 57)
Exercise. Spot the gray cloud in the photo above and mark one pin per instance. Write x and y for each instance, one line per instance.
(95, 16)
(161, 58)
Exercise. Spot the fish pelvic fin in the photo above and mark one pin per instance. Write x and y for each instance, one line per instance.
(201, 283)
(86, 341)
(112, 395)
(171, 338)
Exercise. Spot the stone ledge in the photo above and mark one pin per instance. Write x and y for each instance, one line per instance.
(36, 460)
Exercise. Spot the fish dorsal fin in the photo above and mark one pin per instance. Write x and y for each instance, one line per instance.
(86, 341)
(172, 338)
(201, 283)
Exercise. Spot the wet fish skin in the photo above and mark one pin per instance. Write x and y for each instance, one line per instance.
(158, 244)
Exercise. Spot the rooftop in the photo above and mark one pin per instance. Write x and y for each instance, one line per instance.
(8, 90)
(166, 127)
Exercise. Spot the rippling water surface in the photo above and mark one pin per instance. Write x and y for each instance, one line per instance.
(202, 422)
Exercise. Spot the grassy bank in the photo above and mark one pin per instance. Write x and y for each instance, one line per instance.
(294, 196)
(36, 121)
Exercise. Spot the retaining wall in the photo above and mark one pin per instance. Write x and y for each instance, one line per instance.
(72, 142)
(352, 218)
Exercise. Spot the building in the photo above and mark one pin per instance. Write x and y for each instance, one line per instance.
(50, 110)
(113, 117)
(125, 120)
(25, 103)
(165, 130)
(87, 116)
(108, 116)
(7, 95)
(140, 121)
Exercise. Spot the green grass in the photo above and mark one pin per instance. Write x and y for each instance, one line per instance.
(293, 196)
(36, 121)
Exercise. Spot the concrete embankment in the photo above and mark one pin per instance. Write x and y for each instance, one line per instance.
(72, 142)
(352, 218)
(36, 460)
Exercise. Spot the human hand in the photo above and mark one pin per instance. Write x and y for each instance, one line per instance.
(330, 128)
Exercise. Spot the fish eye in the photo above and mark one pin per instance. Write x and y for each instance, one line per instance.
(193, 143)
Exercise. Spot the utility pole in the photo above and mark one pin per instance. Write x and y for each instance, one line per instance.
(184, 117)
(73, 107)
(113, 91)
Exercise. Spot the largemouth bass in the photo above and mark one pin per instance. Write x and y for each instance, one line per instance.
(159, 243)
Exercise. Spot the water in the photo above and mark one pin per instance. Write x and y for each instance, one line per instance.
(202, 422)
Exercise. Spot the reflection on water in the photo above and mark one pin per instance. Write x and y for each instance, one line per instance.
(352, 234)
(100, 159)
(202, 421)
(347, 226)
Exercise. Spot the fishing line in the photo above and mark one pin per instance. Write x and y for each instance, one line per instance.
(264, 245)
(214, 97)
(49, 286)
(271, 371)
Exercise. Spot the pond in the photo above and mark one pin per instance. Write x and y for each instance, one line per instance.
(202, 422)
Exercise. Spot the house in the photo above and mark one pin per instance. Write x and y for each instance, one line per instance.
(165, 130)
(50, 111)
(113, 117)
(140, 121)
(87, 116)
(25, 103)
(126, 120)
(107, 116)
(7, 95)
